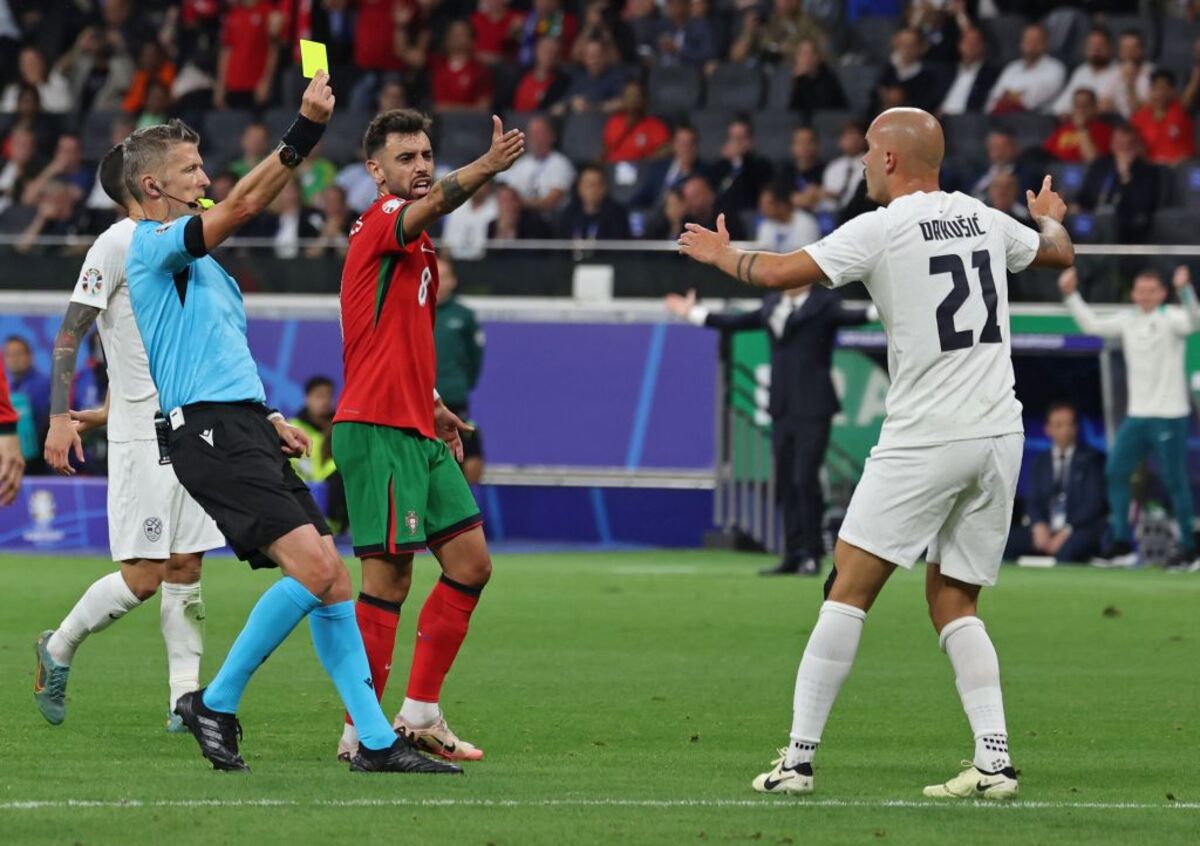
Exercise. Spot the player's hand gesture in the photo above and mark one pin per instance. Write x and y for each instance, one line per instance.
(506, 148)
(1068, 282)
(292, 440)
(86, 421)
(317, 103)
(1046, 203)
(1182, 277)
(702, 244)
(680, 306)
(449, 427)
(12, 468)
(61, 441)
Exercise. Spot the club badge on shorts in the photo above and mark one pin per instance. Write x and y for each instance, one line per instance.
(153, 529)
(410, 520)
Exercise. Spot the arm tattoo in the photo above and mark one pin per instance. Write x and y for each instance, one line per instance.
(750, 269)
(453, 193)
(76, 322)
(741, 261)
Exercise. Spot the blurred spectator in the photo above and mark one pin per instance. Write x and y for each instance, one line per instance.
(293, 220)
(686, 36)
(814, 86)
(66, 167)
(906, 71)
(392, 95)
(54, 92)
(153, 66)
(546, 20)
(465, 232)
(335, 227)
(360, 188)
(632, 135)
(974, 75)
(1002, 157)
(496, 30)
(646, 22)
(545, 83)
(20, 167)
(741, 173)
(1004, 194)
(1080, 136)
(1098, 73)
(45, 128)
(777, 39)
(316, 173)
(1133, 83)
(663, 175)
(1124, 183)
(513, 221)
(592, 215)
(390, 35)
(692, 202)
(1065, 509)
(1165, 128)
(940, 25)
(156, 105)
(783, 229)
(601, 22)
(1031, 82)
(596, 86)
(97, 200)
(30, 393)
(221, 185)
(460, 81)
(98, 71)
(543, 176)
(842, 175)
(316, 420)
(802, 175)
(256, 143)
(249, 54)
(459, 340)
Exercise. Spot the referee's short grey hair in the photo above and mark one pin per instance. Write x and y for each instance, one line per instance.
(146, 148)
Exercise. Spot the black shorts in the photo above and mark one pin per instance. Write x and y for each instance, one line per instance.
(228, 457)
(472, 441)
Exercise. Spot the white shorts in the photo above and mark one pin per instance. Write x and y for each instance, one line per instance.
(954, 500)
(150, 515)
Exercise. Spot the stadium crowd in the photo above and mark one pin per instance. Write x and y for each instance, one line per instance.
(642, 115)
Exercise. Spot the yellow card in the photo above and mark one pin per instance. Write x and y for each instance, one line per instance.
(313, 58)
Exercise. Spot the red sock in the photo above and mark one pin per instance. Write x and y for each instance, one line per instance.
(377, 620)
(440, 632)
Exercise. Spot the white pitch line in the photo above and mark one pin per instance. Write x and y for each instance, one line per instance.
(787, 803)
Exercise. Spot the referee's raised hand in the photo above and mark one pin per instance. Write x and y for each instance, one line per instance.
(317, 103)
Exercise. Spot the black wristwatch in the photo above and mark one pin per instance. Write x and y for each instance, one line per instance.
(289, 156)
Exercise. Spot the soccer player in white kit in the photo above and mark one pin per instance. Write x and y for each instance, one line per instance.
(156, 530)
(943, 476)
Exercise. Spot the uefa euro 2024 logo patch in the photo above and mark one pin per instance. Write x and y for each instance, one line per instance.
(92, 281)
(391, 205)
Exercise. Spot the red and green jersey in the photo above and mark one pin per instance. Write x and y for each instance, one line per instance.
(389, 299)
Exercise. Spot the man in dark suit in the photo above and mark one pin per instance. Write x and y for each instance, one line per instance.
(802, 326)
(663, 175)
(1065, 510)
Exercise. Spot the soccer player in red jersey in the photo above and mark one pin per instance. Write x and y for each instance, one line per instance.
(396, 444)
(12, 464)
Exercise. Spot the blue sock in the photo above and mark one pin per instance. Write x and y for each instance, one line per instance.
(339, 645)
(278, 611)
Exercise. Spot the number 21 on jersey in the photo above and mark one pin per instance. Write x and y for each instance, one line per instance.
(955, 339)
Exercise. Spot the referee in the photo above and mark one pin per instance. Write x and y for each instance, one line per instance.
(224, 444)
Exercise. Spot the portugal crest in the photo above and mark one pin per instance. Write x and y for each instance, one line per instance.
(410, 520)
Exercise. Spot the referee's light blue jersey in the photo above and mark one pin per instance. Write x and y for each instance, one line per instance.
(192, 319)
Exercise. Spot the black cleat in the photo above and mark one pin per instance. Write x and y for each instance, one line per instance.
(401, 757)
(217, 733)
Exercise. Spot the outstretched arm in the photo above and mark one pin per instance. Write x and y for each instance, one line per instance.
(686, 308)
(62, 438)
(751, 267)
(1047, 209)
(1089, 322)
(455, 188)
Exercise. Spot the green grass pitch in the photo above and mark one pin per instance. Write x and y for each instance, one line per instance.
(629, 698)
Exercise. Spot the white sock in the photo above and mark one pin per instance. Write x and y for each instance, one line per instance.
(182, 620)
(977, 677)
(826, 663)
(419, 714)
(108, 599)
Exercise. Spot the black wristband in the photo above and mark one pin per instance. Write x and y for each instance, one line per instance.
(8, 428)
(303, 134)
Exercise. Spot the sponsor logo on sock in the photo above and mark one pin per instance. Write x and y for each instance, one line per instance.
(369, 682)
(207, 436)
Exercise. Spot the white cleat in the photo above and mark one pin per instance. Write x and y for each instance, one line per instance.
(781, 779)
(438, 740)
(974, 783)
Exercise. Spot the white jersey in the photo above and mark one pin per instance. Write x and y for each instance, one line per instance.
(935, 265)
(133, 399)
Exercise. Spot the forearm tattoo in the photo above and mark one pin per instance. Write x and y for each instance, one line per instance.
(76, 323)
(745, 268)
(453, 193)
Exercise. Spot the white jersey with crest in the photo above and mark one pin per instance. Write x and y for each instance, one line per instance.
(936, 267)
(133, 399)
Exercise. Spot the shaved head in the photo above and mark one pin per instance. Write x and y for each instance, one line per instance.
(905, 148)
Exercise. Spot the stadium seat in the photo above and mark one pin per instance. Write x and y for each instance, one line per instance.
(773, 134)
(872, 36)
(520, 120)
(1175, 226)
(966, 135)
(16, 218)
(1065, 31)
(1067, 178)
(1177, 50)
(1030, 128)
(779, 87)
(623, 192)
(96, 134)
(828, 125)
(673, 90)
(1092, 228)
(221, 138)
(710, 125)
(583, 137)
(858, 83)
(735, 87)
(1187, 184)
(1003, 34)
(461, 137)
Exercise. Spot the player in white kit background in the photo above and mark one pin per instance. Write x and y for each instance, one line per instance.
(155, 529)
(942, 478)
